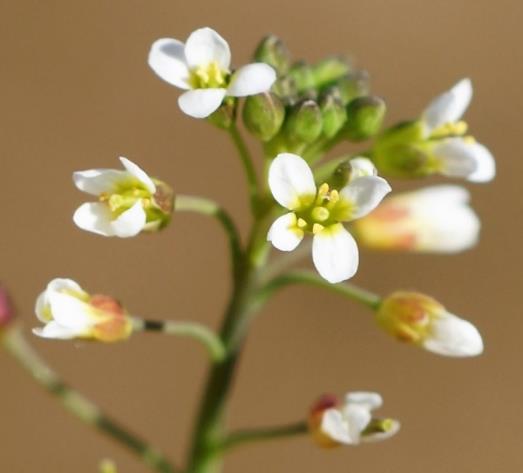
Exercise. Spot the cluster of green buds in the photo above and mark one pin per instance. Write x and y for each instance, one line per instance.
(311, 106)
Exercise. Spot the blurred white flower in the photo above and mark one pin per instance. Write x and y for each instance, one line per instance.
(433, 219)
(69, 312)
(320, 212)
(202, 67)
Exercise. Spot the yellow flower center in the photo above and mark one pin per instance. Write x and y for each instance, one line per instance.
(209, 76)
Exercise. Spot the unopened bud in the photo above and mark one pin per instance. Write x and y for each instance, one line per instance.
(364, 117)
(305, 123)
(7, 311)
(333, 114)
(353, 85)
(302, 75)
(263, 115)
(421, 320)
(272, 51)
(329, 70)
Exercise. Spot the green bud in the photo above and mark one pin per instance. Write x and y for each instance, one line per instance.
(263, 115)
(333, 113)
(304, 124)
(302, 75)
(329, 70)
(225, 115)
(272, 51)
(285, 89)
(340, 176)
(353, 85)
(364, 117)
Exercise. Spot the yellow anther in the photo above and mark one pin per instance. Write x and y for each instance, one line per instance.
(323, 190)
(460, 128)
(317, 228)
(334, 196)
(301, 223)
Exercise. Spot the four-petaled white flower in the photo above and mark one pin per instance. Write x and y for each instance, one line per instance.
(350, 423)
(129, 201)
(69, 312)
(321, 212)
(421, 320)
(456, 155)
(433, 219)
(202, 67)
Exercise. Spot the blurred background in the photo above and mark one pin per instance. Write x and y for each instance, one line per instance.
(77, 93)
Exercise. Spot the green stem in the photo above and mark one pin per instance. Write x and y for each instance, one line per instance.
(241, 437)
(308, 277)
(199, 332)
(248, 167)
(205, 455)
(184, 203)
(80, 406)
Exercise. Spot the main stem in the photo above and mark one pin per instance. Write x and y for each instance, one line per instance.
(206, 453)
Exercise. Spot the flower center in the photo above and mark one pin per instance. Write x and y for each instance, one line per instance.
(124, 200)
(327, 209)
(450, 129)
(209, 76)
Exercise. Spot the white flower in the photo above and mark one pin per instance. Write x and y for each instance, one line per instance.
(69, 312)
(202, 67)
(321, 211)
(129, 201)
(433, 219)
(352, 422)
(421, 320)
(456, 155)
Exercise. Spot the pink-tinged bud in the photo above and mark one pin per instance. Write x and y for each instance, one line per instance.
(434, 219)
(7, 311)
(115, 324)
(421, 320)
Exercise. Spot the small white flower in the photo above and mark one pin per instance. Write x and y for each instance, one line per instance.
(421, 320)
(433, 219)
(69, 312)
(320, 212)
(202, 67)
(456, 155)
(352, 422)
(129, 201)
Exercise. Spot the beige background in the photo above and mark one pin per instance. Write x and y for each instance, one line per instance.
(76, 93)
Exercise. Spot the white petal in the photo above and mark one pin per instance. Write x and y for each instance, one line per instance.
(98, 181)
(450, 106)
(139, 174)
(358, 417)
(40, 306)
(94, 217)
(251, 79)
(365, 193)
(56, 331)
(200, 103)
(335, 253)
(457, 158)
(131, 222)
(360, 167)
(167, 60)
(70, 312)
(205, 46)
(284, 234)
(334, 426)
(453, 336)
(369, 400)
(485, 164)
(291, 181)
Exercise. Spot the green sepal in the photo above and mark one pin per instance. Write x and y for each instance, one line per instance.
(364, 118)
(263, 115)
(271, 50)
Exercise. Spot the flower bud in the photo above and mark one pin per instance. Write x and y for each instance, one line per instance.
(304, 124)
(7, 311)
(333, 114)
(353, 85)
(329, 70)
(421, 320)
(225, 115)
(272, 51)
(364, 117)
(69, 312)
(263, 115)
(302, 75)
